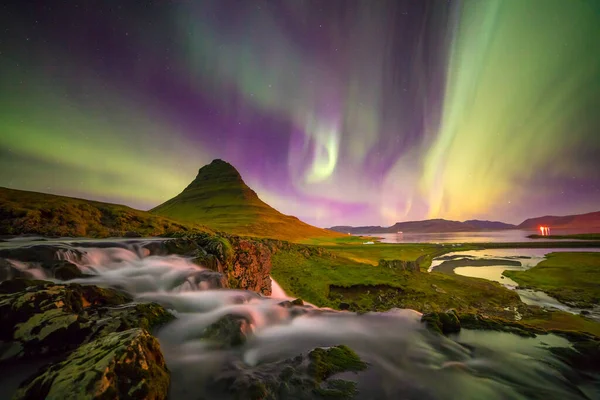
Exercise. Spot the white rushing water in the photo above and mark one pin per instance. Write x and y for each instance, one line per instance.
(406, 360)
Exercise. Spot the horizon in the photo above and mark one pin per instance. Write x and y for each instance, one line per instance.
(379, 113)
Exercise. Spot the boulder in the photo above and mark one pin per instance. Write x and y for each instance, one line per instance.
(229, 331)
(65, 271)
(120, 365)
(308, 376)
(39, 318)
(442, 322)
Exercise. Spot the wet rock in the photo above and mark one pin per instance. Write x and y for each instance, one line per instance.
(229, 331)
(328, 362)
(120, 365)
(209, 280)
(65, 270)
(442, 322)
(209, 261)
(293, 303)
(41, 318)
(479, 321)
(181, 246)
(411, 266)
(309, 376)
(244, 263)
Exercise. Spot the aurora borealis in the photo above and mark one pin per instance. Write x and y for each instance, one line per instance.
(339, 112)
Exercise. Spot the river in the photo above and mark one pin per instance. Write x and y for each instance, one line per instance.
(405, 360)
(500, 260)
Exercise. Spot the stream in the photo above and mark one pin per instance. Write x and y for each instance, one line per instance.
(405, 360)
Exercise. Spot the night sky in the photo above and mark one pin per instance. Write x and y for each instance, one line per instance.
(338, 112)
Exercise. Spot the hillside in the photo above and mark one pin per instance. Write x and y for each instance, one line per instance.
(489, 225)
(589, 222)
(427, 226)
(23, 212)
(219, 198)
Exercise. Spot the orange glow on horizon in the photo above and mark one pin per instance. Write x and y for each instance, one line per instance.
(545, 230)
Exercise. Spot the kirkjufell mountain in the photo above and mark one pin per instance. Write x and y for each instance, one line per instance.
(219, 198)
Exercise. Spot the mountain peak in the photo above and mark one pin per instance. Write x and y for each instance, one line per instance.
(217, 172)
(220, 198)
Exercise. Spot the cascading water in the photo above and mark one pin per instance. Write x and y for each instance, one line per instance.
(405, 360)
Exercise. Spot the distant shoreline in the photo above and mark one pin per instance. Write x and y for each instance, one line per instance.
(581, 236)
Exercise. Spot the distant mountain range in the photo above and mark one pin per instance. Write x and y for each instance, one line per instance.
(582, 223)
(427, 226)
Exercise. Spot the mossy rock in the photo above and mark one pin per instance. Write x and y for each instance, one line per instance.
(65, 271)
(181, 246)
(126, 365)
(229, 331)
(304, 377)
(442, 322)
(327, 362)
(51, 319)
(477, 321)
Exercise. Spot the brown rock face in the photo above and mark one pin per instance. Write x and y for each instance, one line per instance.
(250, 268)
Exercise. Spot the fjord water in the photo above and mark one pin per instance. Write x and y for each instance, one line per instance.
(504, 236)
(406, 360)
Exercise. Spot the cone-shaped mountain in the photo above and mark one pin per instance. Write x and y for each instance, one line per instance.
(219, 198)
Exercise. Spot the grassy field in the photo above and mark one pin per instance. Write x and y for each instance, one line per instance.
(330, 280)
(570, 277)
(348, 274)
(581, 236)
(23, 212)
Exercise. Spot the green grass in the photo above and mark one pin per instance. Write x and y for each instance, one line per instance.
(582, 236)
(563, 321)
(572, 278)
(327, 281)
(23, 212)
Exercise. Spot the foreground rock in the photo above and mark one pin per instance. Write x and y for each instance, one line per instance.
(120, 365)
(96, 339)
(310, 376)
(39, 318)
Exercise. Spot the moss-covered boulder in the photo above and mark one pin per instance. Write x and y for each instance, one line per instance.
(65, 271)
(479, 321)
(229, 331)
(442, 322)
(39, 318)
(328, 362)
(120, 365)
(309, 376)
